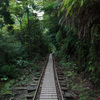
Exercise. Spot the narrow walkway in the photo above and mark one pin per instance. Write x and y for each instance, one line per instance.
(48, 91)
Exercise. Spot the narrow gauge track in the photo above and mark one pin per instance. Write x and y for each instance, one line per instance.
(48, 86)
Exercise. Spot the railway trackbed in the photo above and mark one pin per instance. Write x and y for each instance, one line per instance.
(48, 86)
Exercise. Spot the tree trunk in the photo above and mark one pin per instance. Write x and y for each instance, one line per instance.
(30, 47)
(20, 25)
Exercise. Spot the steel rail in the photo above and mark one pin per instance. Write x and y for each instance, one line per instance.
(57, 83)
(40, 80)
(58, 88)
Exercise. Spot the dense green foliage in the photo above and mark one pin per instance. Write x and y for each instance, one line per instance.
(5, 13)
(75, 34)
(83, 38)
(71, 28)
(21, 39)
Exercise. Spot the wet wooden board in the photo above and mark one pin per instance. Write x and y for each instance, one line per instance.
(48, 91)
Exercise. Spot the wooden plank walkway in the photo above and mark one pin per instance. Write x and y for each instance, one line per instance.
(48, 91)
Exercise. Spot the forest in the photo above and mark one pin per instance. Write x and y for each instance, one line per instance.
(68, 28)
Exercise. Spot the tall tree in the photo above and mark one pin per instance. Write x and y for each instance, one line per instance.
(17, 9)
(4, 12)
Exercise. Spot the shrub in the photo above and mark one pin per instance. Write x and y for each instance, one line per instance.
(10, 71)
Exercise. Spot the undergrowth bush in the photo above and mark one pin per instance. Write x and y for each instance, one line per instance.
(36, 67)
(23, 63)
(10, 71)
(84, 53)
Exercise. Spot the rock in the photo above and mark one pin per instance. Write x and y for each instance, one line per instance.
(66, 78)
(15, 94)
(63, 85)
(64, 89)
(38, 76)
(29, 96)
(68, 96)
(60, 75)
(62, 82)
(8, 93)
(22, 78)
(12, 98)
(36, 79)
(31, 90)
(31, 86)
(60, 78)
(20, 88)
(20, 85)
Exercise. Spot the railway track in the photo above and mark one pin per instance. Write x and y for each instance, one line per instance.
(48, 87)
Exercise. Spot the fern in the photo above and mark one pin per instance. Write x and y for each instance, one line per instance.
(69, 4)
